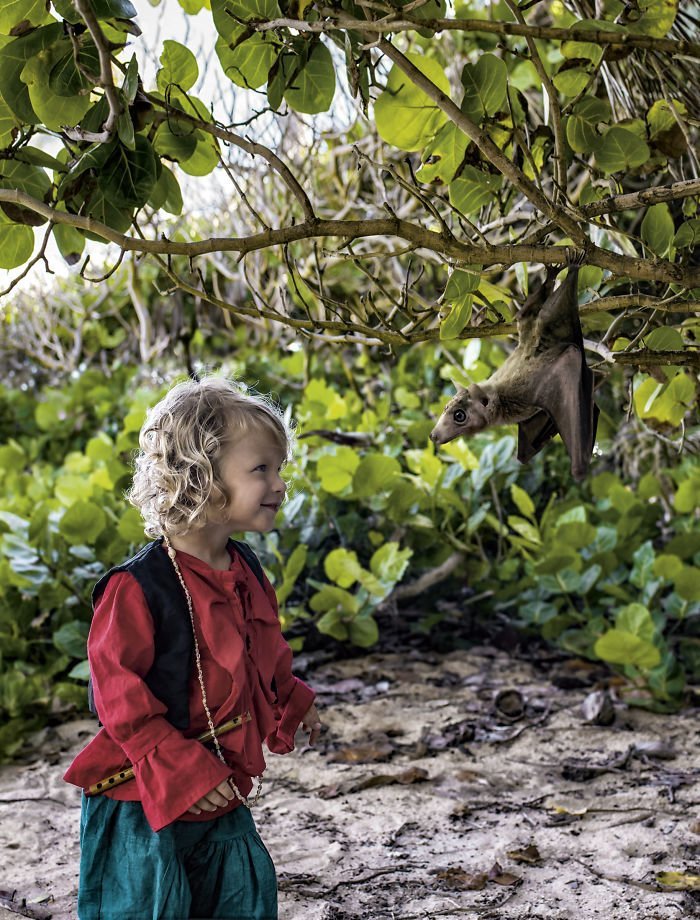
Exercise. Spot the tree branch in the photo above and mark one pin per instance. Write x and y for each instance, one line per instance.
(84, 9)
(643, 357)
(646, 196)
(334, 22)
(549, 89)
(565, 219)
(251, 147)
(468, 253)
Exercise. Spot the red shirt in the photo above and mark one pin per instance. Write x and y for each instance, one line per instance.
(242, 649)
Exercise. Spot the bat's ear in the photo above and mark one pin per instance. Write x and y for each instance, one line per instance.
(460, 389)
(481, 396)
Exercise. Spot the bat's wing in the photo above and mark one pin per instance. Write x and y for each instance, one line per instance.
(564, 396)
(533, 434)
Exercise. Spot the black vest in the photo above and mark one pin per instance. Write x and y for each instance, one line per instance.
(168, 679)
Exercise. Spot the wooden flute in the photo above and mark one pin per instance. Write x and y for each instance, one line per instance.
(128, 772)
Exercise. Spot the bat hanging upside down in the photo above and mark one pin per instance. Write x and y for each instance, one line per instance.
(545, 385)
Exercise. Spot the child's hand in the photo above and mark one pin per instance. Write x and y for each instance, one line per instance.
(219, 796)
(312, 723)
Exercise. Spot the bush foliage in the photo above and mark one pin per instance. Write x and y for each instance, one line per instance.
(604, 570)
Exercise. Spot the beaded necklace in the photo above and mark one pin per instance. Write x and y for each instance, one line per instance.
(234, 788)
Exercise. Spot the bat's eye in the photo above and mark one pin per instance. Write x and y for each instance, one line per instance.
(459, 416)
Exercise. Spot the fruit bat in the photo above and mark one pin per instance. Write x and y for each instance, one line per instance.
(545, 385)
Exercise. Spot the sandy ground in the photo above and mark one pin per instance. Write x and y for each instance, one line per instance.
(427, 799)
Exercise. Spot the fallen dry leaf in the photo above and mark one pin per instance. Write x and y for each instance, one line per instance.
(411, 775)
(530, 854)
(362, 753)
(456, 877)
(497, 875)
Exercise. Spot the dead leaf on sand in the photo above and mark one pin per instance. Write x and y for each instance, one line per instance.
(411, 775)
(497, 875)
(370, 752)
(460, 879)
(530, 854)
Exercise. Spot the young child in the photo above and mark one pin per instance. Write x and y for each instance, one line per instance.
(185, 638)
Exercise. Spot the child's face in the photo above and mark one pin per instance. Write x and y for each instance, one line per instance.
(250, 470)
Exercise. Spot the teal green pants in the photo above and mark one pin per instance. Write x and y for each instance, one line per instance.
(206, 869)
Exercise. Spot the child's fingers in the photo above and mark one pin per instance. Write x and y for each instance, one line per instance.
(314, 730)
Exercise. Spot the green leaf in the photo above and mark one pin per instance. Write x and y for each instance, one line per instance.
(620, 149)
(331, 624)
(226, 13)
(688, 234)
(128, 176)
(15, 12)
(70, 242)
(657, 17)
(342, 567)
(664, 338)
(309, 86)
(485, 85)
(375, 473)
(443, 155)
(389, 562)
(16, 243)
(113, 9)
(30, 179)
(572, 81)
(13, 58)
(81, 671)
(462, 281)
(363, 631)
(526, 529)
(523, 502)
(246, 59)
(636, 619)
(8, 124)
(332, 598)
(166, 193)
(686, 500)
(457, 318)
(621, 647)
(131, 80)
(177, 142)
(405, 116)
(667, 566)
(576, 50)
(660, 117)
(581, 127)
(336, 470)
(473, 189)
(687, 583)
(71, 639)
(668, 403)
(65, 79)
(130, 526)
(54, 111)
(125, 130)
(83, 522)
(658, 229)
(179, 66)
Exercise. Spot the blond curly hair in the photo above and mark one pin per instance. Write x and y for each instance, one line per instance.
(177, 484)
